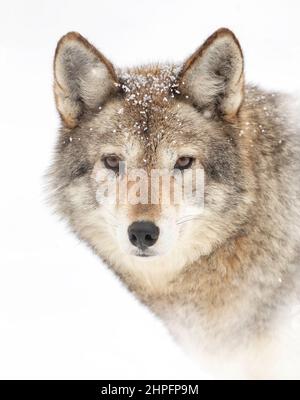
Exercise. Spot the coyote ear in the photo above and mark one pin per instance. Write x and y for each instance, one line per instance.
(83, 78)
(213, 77)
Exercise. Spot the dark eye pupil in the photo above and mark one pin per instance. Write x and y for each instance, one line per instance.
(111, 162)
(184, 162)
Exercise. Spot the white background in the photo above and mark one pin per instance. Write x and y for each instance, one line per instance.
(62, 313)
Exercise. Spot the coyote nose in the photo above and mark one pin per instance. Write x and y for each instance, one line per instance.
(143, 234)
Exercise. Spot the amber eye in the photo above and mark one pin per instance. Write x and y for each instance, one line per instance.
(111, 162)
(184, 163)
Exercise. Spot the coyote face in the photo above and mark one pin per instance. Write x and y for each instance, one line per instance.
(186, 182)
(164, 136)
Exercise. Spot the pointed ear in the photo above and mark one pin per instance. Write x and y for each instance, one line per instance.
(213, 77)
(83, 78)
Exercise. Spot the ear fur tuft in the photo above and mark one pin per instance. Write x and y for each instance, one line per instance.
(213, 76)
(83, 78)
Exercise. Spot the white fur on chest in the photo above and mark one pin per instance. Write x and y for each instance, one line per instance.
(276, 355)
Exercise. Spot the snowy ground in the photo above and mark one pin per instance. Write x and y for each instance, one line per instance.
(62, 314)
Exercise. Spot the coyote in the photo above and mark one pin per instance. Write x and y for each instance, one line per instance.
(221, 269)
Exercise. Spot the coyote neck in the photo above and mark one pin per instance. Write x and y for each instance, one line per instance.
(230, 295)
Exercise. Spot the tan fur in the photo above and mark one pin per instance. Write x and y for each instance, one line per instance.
(224, 278)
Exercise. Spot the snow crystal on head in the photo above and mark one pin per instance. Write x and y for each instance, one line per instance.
(149, 91)
(146, 86)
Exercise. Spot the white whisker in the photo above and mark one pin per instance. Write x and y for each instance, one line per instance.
(187, 219)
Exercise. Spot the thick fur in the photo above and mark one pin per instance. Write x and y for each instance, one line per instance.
(226, 280)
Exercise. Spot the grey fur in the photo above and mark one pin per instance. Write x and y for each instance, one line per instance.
(239, 268)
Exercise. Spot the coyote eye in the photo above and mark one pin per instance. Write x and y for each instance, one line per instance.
(184, 163)
(111, 162)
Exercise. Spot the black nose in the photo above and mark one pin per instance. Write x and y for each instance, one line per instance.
(143, 234)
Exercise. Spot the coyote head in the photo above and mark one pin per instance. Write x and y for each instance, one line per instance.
(148, 164)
